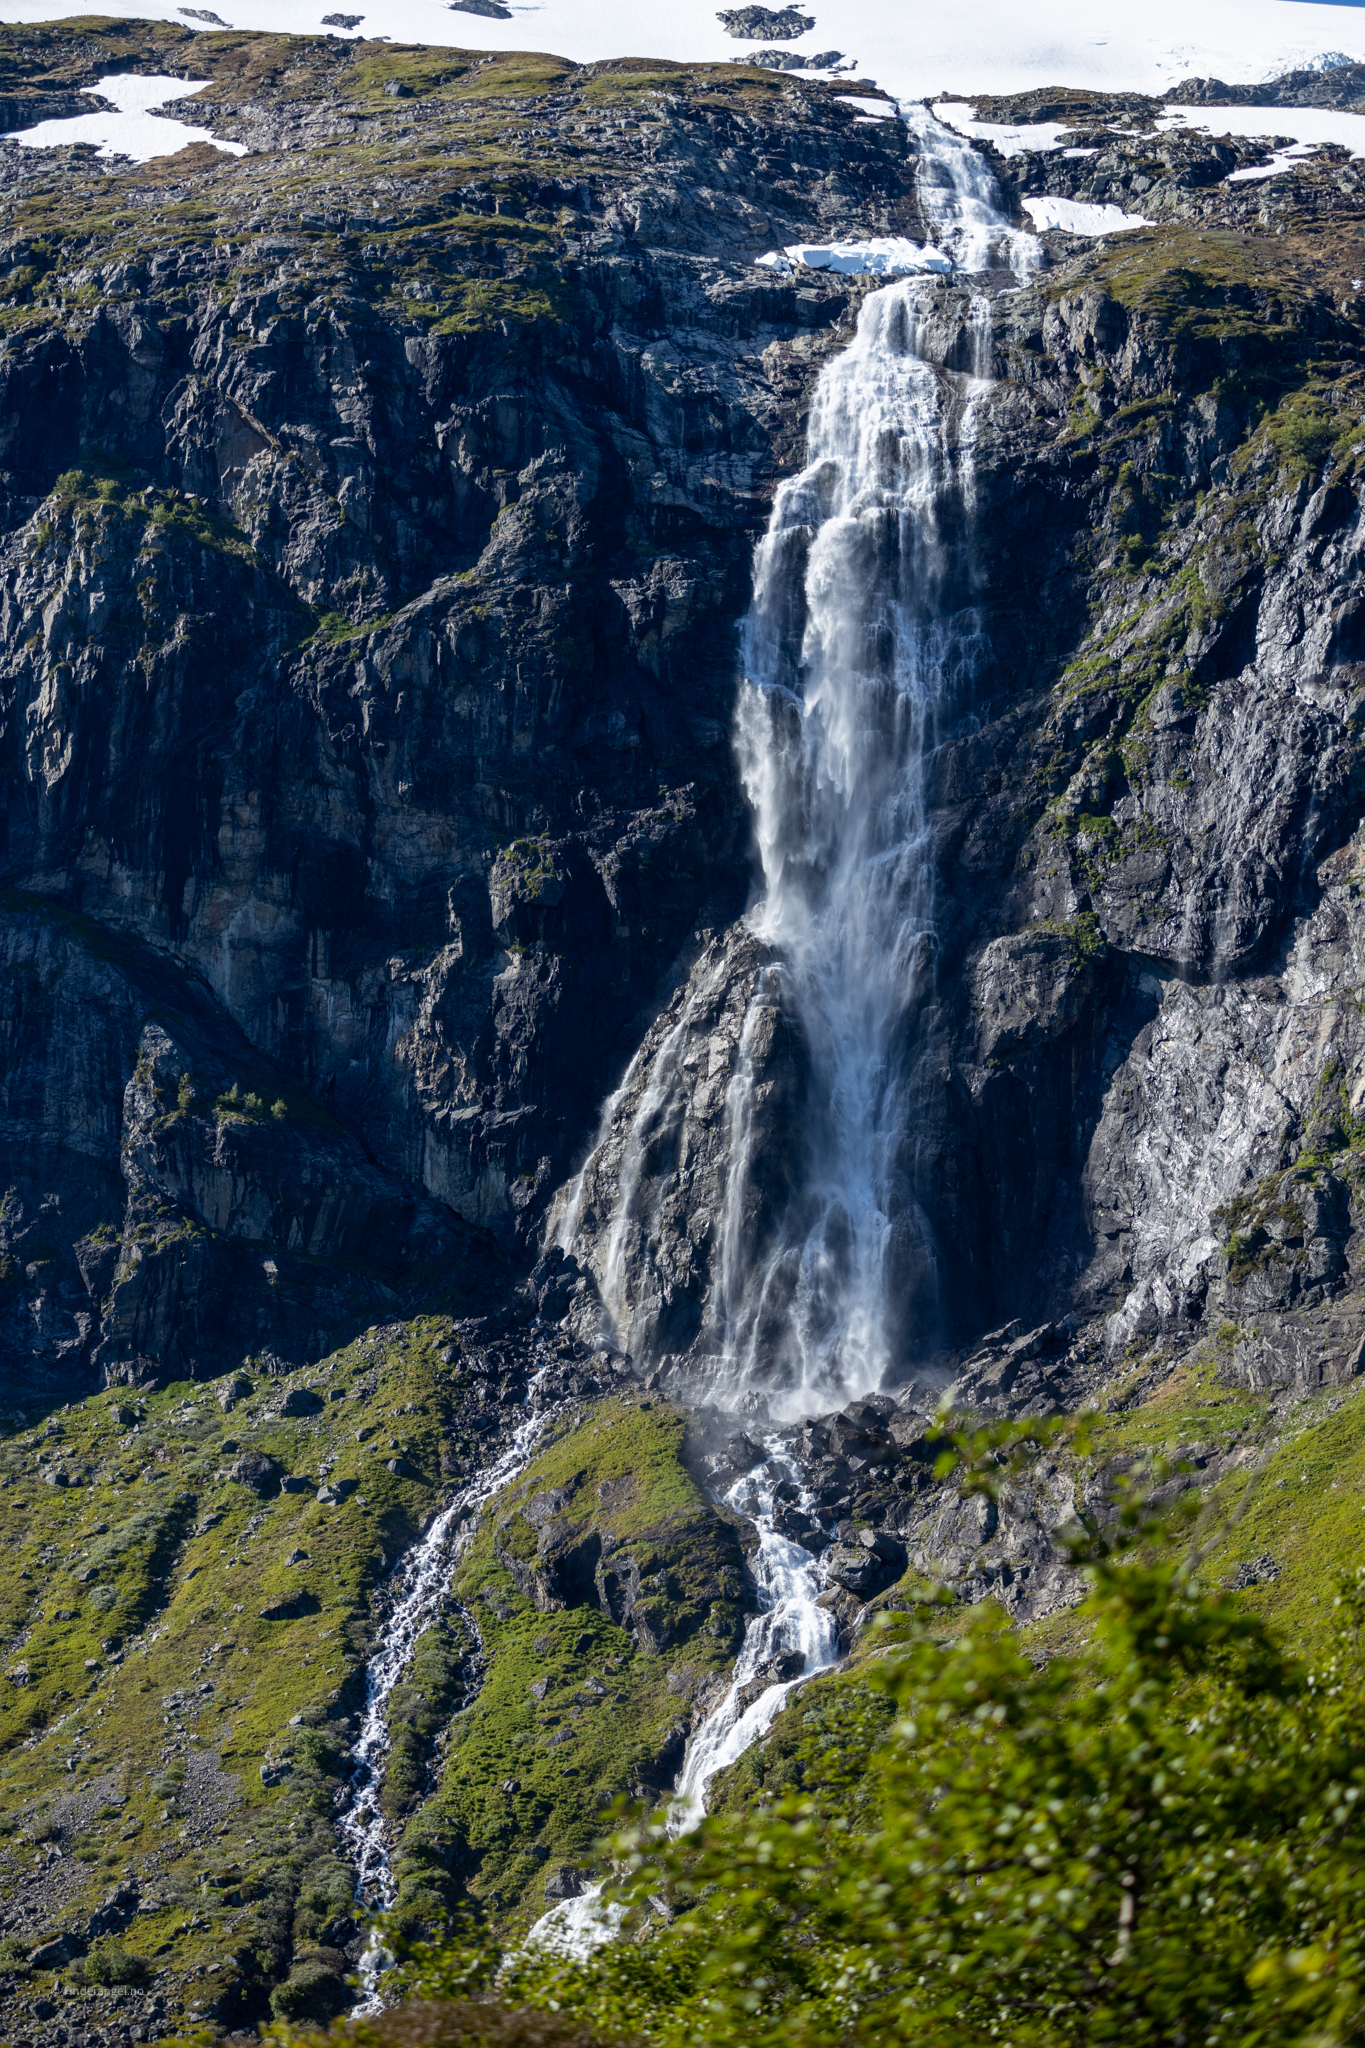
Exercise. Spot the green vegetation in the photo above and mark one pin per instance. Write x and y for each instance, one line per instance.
(574, 1709)
(238, 1107)
(183, 1651)
(376, 213)
(1153, 1837)
(144, 1685)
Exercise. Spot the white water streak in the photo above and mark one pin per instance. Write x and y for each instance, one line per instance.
(959, 196)
(790, 1623)
(422, 1583)
(861, 644)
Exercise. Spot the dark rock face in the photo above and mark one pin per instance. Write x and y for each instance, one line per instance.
(367, 660)
(1146, 1072)
(380, 689)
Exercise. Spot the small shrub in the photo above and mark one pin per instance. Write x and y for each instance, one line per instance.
(313, 1750)
(112, 1963)
(314, 1991)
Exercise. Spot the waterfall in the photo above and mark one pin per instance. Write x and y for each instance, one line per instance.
(860, 651)
(789, 1628)
(419, 1590)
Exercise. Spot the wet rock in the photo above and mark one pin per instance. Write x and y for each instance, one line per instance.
(568, 1882)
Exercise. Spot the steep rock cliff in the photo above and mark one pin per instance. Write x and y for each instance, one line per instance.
(373, 560)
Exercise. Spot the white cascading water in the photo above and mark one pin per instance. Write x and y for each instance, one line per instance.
(861, 644)
(860, 649)
(422, 1582)
(789, 1624)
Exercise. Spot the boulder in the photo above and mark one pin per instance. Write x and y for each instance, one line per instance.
(112, 1915)
(300, 1401)
(857, 1570)
(882, 1545)
(258, 1473)
(56, 1953)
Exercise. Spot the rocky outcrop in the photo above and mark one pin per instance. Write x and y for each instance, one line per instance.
(1147, 925)
(369, 609)
(204, 1211)
(564, 1549)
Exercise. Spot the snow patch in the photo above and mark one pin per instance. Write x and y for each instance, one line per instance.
(995, 46)
(1078, 217)
(133, 130)
(1010, 141)
(874, 110)
(880, 256)
(1282, 160)
(1306, 127)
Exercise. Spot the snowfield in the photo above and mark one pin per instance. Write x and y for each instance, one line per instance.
(910, 51)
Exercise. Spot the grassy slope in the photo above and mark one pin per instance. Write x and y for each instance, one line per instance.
(417, 252)
(148, 1689)
(168, 1732)
(610, 1711)
(1286, 1480)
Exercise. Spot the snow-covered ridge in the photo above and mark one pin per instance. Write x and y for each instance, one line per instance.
(995, 46)
(1306, 128)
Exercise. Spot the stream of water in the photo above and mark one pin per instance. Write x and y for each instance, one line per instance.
(418, 1592)
(860, 650)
